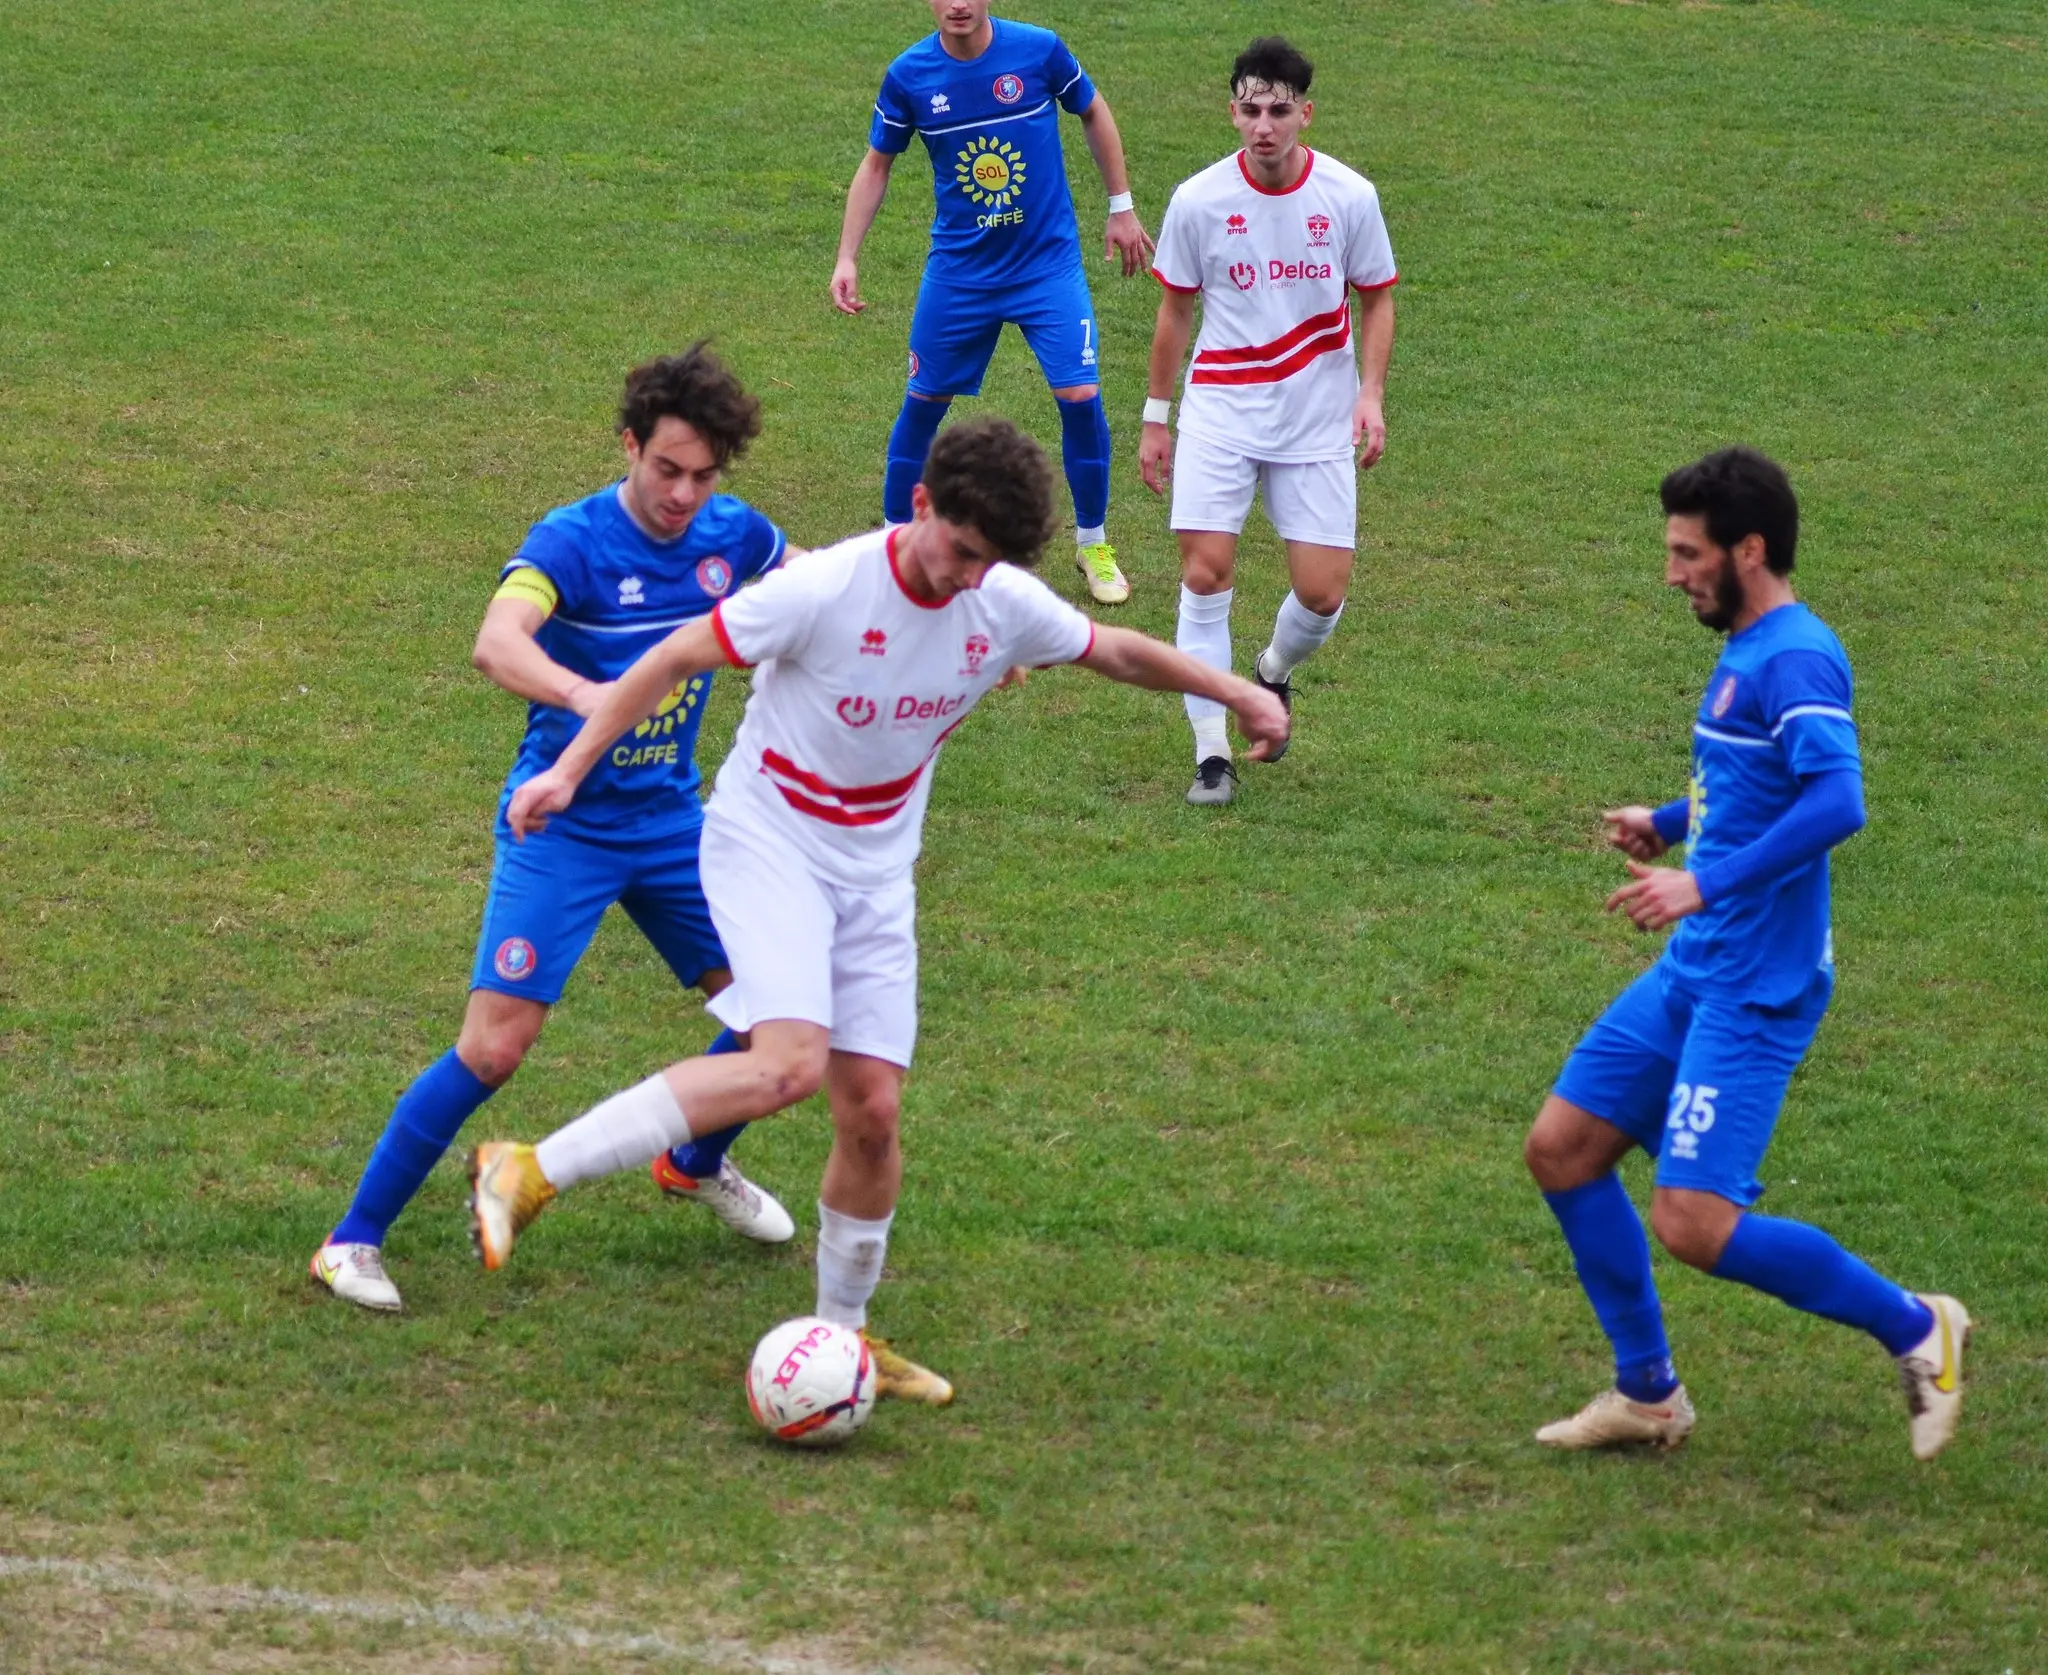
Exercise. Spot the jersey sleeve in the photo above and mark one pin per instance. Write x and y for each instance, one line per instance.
(1177, 260)
(1067, 80)
(759, 548)
(775, 617)
(1042, 628)
(1369, 259)
(895, 121)
(1807, 705)
(552, 563)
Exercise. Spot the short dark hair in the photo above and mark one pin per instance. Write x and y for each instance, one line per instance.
(1738, 492)
(986, 474)
(1274, 60)
(698, 388)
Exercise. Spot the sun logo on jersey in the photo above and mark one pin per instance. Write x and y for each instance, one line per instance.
(1695, 805)
(991, 172)
(684, 698)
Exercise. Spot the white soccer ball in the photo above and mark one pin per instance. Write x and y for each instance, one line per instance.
(811, 1383)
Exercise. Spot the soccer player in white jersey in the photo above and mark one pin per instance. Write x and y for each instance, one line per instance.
(1275, 241)
(869, 654)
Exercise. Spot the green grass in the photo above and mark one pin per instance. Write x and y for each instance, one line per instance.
(1214, 1208)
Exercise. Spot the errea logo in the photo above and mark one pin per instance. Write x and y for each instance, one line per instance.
(1234, 224)
(874, 643)
(630, 592)
(941, 105)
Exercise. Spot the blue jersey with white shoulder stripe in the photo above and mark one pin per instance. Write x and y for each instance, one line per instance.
(612, 591)
(1003, 213)
(1776, 712)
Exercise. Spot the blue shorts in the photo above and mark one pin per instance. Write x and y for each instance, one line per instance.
(548, 893)
(1696, 1083)
(954, 332)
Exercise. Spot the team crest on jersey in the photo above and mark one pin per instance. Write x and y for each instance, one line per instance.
(1319, 229)
(631, 592)
(714, 575)
(514, 960)
(977, 653)
(990, 171)
(874, 643)
(1724, 697)
(913, 363)
(1244, 275)
(857, 712)
(1234, 224)
(1009, 89)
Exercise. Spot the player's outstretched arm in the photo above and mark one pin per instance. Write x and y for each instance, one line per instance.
(1125, 235)
(630, 700)
(863, 204)
(508, 655)
(1171, 328)
(1137, 659)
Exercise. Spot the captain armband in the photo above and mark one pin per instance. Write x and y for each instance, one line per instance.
(532, 586)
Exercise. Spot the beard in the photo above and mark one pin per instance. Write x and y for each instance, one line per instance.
(1727, 605)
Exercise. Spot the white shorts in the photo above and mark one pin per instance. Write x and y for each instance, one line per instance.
(1316, 501)
(803, 947)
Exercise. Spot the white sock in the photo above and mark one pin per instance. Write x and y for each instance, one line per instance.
(1297, 631)
(1091, 537)
(1204, 634)
(628, 1131)
(850, 1253)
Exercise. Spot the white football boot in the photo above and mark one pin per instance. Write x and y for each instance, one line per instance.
(1931, 1373)
(730, 1196)
(1611, 1420)
(355, 1274)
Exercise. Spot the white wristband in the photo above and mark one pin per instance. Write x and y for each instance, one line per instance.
(1157, 410)
(1119, 202)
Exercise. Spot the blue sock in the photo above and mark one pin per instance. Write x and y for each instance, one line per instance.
(1802, 1266)
(429, 1114)
(699, 1159)
(909, 441)
(1613, 1259)
(1084, 450)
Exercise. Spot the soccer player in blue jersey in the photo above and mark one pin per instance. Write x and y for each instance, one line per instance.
(1692, 1061)
(984, 94)
(594, 585)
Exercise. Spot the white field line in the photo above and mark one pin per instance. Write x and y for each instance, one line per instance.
(526, 1628)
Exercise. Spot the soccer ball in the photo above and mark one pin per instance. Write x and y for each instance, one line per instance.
(811, 1383)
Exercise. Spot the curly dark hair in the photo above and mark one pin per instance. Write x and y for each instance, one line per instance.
(698, 388)
(986, 474)
(1738, 492)
(1274, 60)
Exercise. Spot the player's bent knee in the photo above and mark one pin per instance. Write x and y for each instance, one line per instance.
(1693, 1226)
(1078, 392)
(1325, 600)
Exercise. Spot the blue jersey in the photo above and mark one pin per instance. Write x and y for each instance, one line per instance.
(992, 126)
(1776, 712)
(611, 591)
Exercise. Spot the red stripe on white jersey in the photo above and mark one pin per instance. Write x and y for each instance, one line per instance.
(1280, 371)
(779, 766)
(834, 816)
(1311, 327)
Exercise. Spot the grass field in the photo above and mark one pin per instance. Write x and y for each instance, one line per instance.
(1215, 1208)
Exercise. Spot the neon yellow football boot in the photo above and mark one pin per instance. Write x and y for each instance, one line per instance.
(898, 1378)
(1106, 582)
(506, 1191)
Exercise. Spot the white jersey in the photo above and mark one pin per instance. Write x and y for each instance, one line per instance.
(858, 686)
(1275, 377)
